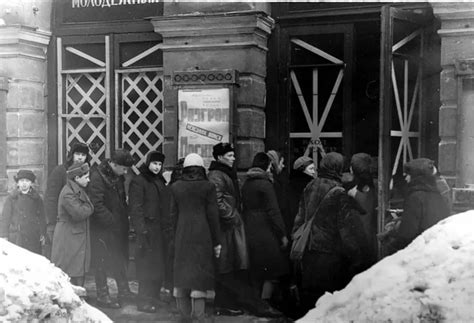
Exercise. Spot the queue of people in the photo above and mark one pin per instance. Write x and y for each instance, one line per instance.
(208, 235)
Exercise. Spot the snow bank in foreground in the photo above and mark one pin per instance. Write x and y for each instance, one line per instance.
(32, 288)
(431, 280)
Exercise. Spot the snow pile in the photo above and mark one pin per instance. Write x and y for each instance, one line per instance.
(431, 280)
(32, 288)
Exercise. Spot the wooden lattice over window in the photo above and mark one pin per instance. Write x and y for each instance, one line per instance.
(142, 112)
(86, 112)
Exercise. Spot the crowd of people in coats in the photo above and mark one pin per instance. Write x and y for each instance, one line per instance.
(269, 245)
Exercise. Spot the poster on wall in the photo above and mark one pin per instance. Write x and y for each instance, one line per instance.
(203, 116)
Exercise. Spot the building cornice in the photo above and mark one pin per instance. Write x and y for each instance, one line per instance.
(231, 23)
(12, 34)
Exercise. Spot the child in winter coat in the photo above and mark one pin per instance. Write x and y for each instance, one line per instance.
(71, 250)
(22, 221)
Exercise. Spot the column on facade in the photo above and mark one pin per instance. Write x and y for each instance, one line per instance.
(219, 41)
(23, 69)
(3, 135)
(457, 97)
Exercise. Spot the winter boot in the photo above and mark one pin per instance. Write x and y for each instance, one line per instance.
(198, 312)
(104, 300)
(184, 307)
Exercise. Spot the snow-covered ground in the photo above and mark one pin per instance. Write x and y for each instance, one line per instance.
(431, 280)
(33, 289)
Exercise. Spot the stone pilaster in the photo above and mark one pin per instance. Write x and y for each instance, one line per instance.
(3, 135)
(457, 94)
(220, 41)
(23, 63)
(457, 32)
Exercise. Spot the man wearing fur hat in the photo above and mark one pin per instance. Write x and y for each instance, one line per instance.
(232, 290)
(423, 206)
(22, 221)
(78, 153)
(71, 250)
(110, 226)
(148, 201)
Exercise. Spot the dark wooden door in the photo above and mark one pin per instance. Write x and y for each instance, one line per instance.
(402, 114)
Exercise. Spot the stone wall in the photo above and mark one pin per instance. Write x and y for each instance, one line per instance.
(23, 76)
(456, 149)
(221, 37)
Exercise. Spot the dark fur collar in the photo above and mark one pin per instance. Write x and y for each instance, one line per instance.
(215, 165)
(110, 178)
(149, 176)
(258, 173)
(31, 193)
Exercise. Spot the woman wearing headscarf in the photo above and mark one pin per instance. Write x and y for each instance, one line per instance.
(148, 202)
(333, 251)
(266, 233)
(423, 206)
(193, 224)
(281, 186)
(302, 173)
(365, 194)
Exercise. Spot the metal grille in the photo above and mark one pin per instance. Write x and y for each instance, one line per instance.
(86, 112)
(142, 112)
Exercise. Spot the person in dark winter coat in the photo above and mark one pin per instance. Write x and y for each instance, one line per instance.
(23, 221)
(147, 204)
(110, 226)
(334, 252)
(365, 194)
(78, 153)
(193, 224)
(423, 206)
(266, 232)
(281, 185)
(233, 290)
(303, 172)
(71, 250)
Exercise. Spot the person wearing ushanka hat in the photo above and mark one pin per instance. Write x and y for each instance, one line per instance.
(423, 206)
(78, 153)
(193, 226)
(22, 221)
(71, 249)
(148, 202)
(110, 226)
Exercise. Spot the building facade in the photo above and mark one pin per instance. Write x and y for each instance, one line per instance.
(394, 81)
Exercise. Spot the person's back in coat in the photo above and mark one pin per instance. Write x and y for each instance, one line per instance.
(335, 249)
(109, 226)
(193, 225)
(265, 228)
(423, 206)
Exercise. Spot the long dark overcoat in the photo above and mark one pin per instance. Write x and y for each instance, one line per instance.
(109, 222)
(423, 207)
(234, 255)
(264, 226)
(22, 221)
(147, 204)
(71, 249)
(193, 223)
